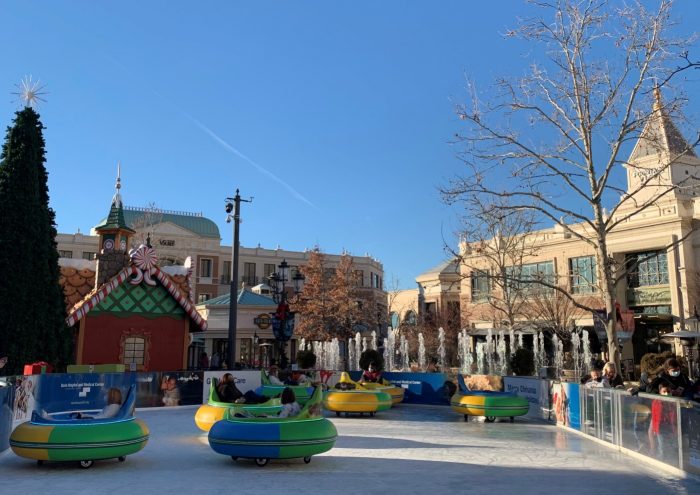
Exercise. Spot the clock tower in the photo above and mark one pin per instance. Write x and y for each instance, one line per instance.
(115, 237)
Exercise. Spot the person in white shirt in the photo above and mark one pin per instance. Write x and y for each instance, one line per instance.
(112, 408)
(290, 406)
(114, 404)
(273, 376)
(597, 380)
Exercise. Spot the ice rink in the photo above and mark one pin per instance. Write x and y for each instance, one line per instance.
(408, 450)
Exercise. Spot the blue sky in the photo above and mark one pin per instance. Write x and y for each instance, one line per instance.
(336, 117)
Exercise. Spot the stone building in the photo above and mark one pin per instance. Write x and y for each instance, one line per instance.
(660, 244)
(176, 236)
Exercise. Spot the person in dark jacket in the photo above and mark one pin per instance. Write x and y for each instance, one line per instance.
(227, 390)
(678, 383)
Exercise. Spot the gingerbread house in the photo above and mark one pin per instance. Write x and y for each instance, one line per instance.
(124, 307)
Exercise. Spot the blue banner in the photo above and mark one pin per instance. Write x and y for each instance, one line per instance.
(419, 388)
(6, 401)
(79, 392)
(88, 391)
(566, 402)
(572, 390)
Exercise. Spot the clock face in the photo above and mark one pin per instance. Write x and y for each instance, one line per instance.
(108, 244)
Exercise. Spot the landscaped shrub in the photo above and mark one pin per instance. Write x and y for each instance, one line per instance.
(523, 362)
(306, 359)
(371, 356)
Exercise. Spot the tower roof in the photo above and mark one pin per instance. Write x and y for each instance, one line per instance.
(115, 219)
(245, 298)
(660, 135)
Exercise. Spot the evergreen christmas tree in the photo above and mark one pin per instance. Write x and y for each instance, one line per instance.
(32, 307)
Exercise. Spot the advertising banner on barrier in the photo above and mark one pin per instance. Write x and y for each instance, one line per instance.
(567, 404)
(536, 392)
(24, 401)
(169, 388)
(244, 380)
(5, 416)
(180, 388)
(78, 392)
(420, 388)
(88, 391)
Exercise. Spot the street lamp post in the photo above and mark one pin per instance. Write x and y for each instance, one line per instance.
(255, 350)
(233, 205)
(283, 318)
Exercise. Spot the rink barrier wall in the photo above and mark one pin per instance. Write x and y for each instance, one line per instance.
(87, 391)
(660, 428)
(6, 401)
(665, 429)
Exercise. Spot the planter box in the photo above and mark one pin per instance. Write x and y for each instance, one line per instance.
(96, 368)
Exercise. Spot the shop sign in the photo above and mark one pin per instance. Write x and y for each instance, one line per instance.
(263, 321)
(640, 297)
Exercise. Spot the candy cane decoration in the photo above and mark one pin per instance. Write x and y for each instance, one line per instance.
(144, 258)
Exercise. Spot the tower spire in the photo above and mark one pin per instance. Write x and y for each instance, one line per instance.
(117, 199)
(657, 98)
(115, 236)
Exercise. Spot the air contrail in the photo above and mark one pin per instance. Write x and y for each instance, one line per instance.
(218, 139)
(233, 150)
(260, 168)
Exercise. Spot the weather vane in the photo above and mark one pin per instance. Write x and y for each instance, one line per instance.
(30, 92)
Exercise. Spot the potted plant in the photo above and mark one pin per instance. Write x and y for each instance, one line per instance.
(522, 362)
(372, 356)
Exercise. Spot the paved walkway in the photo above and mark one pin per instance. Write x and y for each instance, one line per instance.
(427, 450)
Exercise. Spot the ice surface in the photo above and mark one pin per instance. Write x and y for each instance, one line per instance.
(426, 450)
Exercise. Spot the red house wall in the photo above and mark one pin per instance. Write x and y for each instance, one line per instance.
(165, 349)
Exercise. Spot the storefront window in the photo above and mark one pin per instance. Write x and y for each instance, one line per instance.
(583, 274)
(647, 268)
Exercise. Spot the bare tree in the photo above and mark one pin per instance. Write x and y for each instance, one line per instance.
(147, 223)
(496, 242)
(588, 100)
(556, 311)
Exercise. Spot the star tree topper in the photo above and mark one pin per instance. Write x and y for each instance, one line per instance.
(30, 92)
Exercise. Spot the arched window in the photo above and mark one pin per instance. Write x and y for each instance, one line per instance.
(410, 317)
(394, 318)
(134, 349)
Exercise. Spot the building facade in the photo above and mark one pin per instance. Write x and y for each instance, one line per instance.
(123, 307)
(655, 252)
(176, 236)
